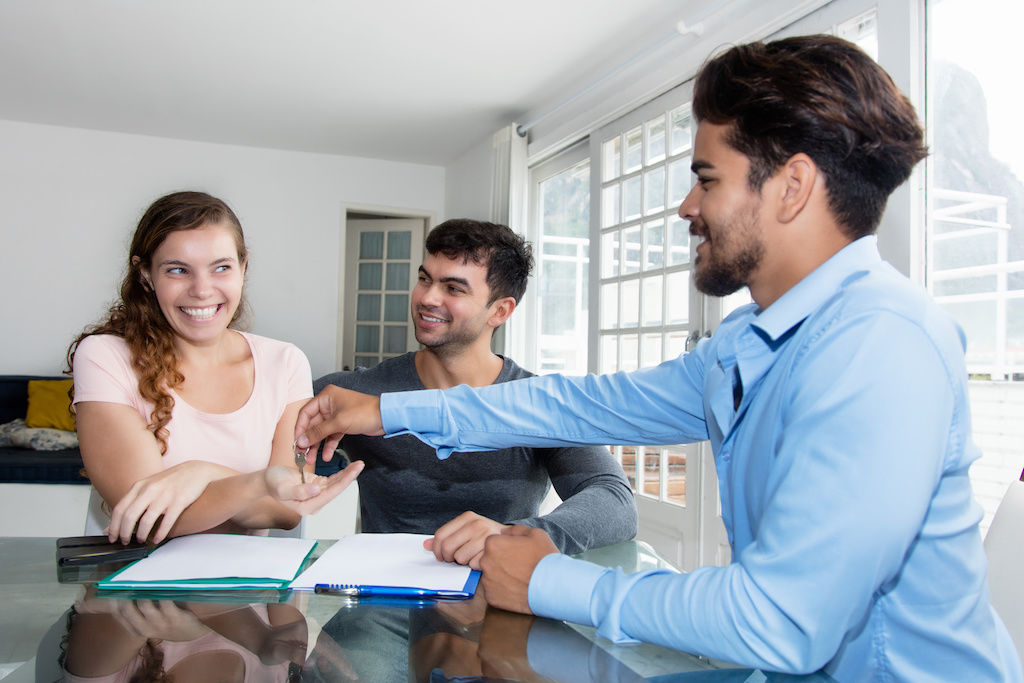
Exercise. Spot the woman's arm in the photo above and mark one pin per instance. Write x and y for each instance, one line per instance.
(123, 461)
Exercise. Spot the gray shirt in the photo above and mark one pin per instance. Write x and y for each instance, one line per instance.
(406, 488)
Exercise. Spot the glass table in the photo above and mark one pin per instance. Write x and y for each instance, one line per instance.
(55, 626)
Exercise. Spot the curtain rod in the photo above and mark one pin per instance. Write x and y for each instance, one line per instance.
(681, 29)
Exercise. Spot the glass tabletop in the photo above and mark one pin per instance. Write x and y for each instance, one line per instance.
(54, 626)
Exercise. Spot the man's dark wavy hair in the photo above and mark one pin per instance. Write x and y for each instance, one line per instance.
(822, 96)
(508, 257)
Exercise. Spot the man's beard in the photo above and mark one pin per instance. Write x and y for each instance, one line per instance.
(449, 344)
(717, 277)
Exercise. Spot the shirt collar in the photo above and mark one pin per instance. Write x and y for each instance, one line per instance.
(821, 284)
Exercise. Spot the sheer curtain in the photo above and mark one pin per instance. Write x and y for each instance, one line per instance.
(508, 207)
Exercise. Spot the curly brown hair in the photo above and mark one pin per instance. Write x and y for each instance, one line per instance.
(136, 317)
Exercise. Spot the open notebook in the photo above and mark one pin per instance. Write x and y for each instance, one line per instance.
(370, 565)
(361, 565)
(215, 562)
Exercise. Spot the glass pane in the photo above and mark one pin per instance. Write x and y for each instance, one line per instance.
(650, 350)
(369, 275)
(563, 271)
(399, 244)
(676, 474)
(396, 308)
(394, 338)
(397, 277)
(610, 305)
(611, 158)
(679, 181)
(631, 198)
(610, 206)
(681, 140)
(628, 360)
(631, 250)
(371, 245)
(655, 140)
(609, 353)
(367, 338)
(367, 361)
(652, 301)
(558, 301)
(368, 307)
(565, 204)
(652, 471)
(654, 190)
(610, 253)
(629, 313)
(654, 244)
(634, 145)
(678, 241)
(675, 344)
(975, 227)
(678, 288)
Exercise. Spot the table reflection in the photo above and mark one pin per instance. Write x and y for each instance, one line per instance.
(112, 639)
(297, 636)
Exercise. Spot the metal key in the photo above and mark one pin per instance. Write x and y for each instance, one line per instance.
(300, 460)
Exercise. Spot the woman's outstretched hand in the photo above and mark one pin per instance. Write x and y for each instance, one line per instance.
(285, 484)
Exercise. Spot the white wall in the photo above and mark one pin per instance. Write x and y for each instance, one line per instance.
(71, 198)
(469, 182)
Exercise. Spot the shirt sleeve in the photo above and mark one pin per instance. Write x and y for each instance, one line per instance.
(657, 405)
(102, 372)
(300, 375)
(871, 396)
(598, 507)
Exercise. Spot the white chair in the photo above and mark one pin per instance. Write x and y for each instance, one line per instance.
(1003, 546)
(96, 520)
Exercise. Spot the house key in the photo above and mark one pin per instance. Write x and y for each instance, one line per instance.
(300, 460)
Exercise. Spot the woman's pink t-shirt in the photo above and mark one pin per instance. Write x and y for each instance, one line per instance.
(241, 439)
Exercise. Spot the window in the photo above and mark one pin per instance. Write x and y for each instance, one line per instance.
(561, 238)
(645, 270)
(975, 221)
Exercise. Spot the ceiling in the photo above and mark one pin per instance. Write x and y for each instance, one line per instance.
(408, 80)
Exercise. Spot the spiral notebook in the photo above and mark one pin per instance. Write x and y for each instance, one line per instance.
(396, 565)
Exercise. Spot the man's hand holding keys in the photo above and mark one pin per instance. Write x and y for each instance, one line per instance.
(333, 413)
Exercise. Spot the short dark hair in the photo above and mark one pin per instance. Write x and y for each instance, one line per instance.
(508, 257)
(822, 96)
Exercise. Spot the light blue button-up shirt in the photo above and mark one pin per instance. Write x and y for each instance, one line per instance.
(843, 474)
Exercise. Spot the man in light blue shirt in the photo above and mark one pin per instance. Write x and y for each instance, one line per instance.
(836, 405)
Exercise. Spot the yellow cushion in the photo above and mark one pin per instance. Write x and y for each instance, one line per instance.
(49, 405)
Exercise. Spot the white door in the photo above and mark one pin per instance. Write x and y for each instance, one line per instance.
(382, 256)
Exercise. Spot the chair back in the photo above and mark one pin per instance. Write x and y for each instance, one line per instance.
(1004, 546)
(96, 520)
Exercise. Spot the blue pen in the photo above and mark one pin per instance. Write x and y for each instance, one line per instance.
(385, 591)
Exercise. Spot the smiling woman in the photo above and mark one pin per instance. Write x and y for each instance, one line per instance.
(184, 421)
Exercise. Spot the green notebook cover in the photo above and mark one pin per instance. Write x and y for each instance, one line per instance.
(214, 562)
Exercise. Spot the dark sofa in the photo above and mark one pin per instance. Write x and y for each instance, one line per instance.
(24, 465)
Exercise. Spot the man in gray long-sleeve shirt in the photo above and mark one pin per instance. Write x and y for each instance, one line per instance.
(473, 276)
